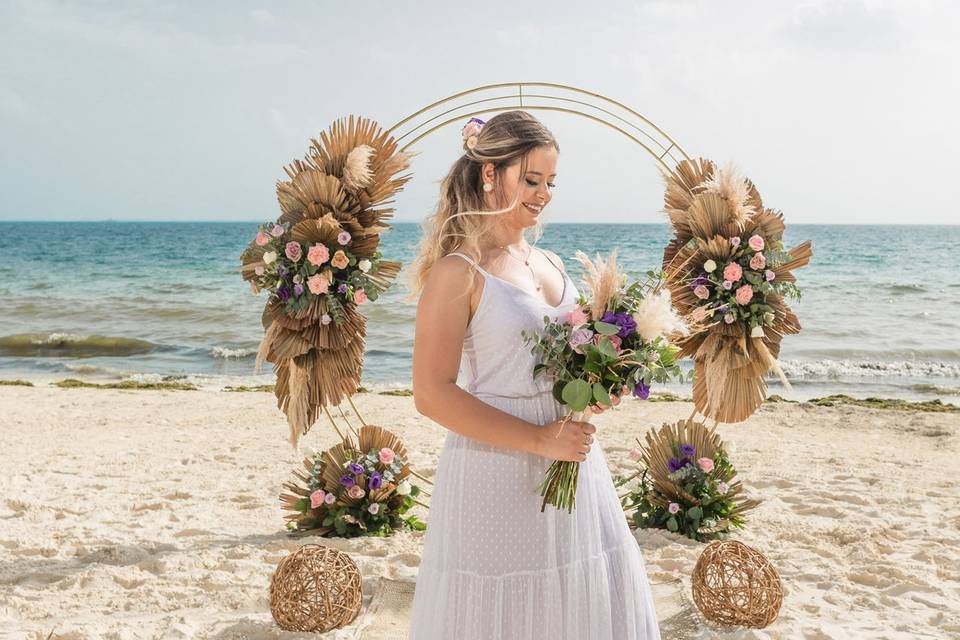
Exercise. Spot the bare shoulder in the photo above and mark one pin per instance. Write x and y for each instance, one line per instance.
(450, 275)
(554, 258)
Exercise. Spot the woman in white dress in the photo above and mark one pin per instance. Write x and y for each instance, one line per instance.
(494, 567)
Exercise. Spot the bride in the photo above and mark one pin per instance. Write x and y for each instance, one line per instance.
(493, 565)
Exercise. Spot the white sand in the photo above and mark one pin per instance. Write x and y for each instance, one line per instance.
(155, 514)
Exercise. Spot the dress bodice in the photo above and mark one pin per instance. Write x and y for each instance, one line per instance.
(495, 359)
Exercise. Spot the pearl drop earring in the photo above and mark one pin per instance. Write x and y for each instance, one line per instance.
(488, 187)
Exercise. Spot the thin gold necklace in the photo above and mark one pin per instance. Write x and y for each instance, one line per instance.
(526, 261)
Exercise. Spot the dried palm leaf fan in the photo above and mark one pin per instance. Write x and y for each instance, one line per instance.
(716, 215)
(343, 185)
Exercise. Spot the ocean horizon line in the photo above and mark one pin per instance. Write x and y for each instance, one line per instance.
(415, 222)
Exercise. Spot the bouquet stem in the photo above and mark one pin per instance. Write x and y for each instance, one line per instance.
(559, 487)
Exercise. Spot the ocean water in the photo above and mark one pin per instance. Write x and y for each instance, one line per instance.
(149, 300)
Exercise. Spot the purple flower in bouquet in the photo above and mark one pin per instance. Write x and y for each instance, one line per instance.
(355, 468)
(342, 288)
(688, 450)
(700, 281)
(298, 289)
(283, 293)
(580, 336)
(641, 391)
(347, 480)
(623, 320)
(376, 480)
(675, 465)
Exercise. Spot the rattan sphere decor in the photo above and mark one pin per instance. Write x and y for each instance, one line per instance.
(315, 588)
(736, 585)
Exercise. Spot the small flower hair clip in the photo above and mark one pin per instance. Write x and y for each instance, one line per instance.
(470, 132)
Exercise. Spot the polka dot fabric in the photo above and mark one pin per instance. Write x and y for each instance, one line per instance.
(495, 567)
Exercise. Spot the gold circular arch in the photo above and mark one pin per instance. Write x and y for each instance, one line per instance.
(542, 96)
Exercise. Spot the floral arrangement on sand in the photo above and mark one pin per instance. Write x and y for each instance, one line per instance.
(616, 341)
(688, 484)
(354, 489)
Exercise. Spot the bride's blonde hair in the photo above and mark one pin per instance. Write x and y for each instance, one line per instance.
(459, 220)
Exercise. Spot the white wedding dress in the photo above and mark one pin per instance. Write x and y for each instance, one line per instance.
(493, 566)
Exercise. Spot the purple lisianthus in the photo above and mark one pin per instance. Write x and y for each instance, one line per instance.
(700, 281)
(376, 480)
(342, 288)
(641, 391)
(298, 289)
(623, 320)
(580, 337)
(347, 480)
(688, 450)
(283, 293)
(675, 465)
(355, 468)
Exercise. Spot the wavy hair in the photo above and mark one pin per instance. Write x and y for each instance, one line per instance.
(460, 218)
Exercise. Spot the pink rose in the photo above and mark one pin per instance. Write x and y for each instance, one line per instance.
(318, 284)
(340, 259)
(616, 341)
(732, 272)
(360, 296)
(699, 313)
(330, 498)
(374, 508)
(726, 284)
(735, 241)
(769, 275)
(706, 464)
(615, 399)
(318, 254)
(262, 239)
(701, 292)
(294, 251)
(744, 294)
(387, 455)
(316, 498)
(756, 242)
(343, 237)
(356, 492)
(758, 262)
(674, 508)
(277, 231)
(728, 318)
(577, 316)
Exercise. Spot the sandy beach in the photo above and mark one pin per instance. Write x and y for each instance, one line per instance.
(155, 514)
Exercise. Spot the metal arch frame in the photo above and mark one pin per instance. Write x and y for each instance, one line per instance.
(515, 99)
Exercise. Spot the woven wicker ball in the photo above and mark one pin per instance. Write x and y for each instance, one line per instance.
(736, 585)
(315, 588)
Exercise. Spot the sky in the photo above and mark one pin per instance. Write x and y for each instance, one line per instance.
(840, 111)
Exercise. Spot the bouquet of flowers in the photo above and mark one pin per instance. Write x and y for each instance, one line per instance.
(354, 489)
(688, 484)
(613, 343)
(729, 275)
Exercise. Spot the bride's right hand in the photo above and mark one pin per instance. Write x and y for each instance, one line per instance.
(568, 440)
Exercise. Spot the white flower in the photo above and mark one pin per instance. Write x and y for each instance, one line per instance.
(709, 266)
(757, 332)
(269, 257)
(403, 488)
(364, 265)
(655, 316)
(325, 318)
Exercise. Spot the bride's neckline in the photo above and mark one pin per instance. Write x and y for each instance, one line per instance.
(563, 296)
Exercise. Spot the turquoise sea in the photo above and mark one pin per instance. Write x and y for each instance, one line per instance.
(154, 300)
